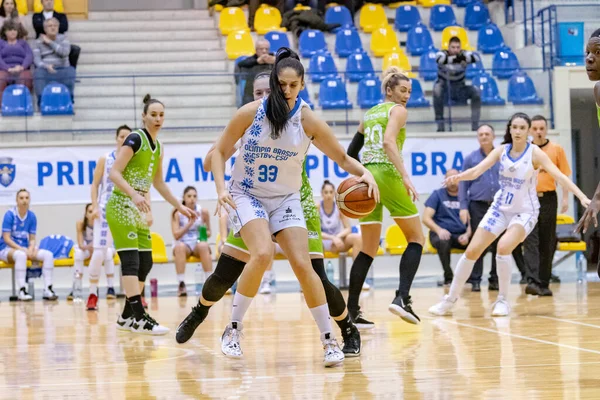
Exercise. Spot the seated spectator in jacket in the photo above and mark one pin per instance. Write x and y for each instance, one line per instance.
(51, 58)
(47, 13)
(16, 57)
(262, 60)
(452, 68)
(446, 230)
(9, 12)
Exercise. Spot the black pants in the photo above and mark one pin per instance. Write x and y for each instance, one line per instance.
(444, 249)
(540, 245)
(74, 55)
(477, 210)
(442, 91)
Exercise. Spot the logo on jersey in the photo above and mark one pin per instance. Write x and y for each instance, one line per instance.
(288, 211)
(132, 235)
(7, 171)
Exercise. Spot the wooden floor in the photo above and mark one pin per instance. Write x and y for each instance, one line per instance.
(548, 349)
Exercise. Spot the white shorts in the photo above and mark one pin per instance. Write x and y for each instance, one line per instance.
(496, 222)
(102, 236)
(191, 244)
(280, 212)
(4, 253)
(327, 244)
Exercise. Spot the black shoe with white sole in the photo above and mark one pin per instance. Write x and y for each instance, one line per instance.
(359, 321)
(402, 308)
(351, 337)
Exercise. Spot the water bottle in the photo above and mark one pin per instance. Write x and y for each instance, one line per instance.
(202, 233)
(329, 271)
(199, 278)
(153, 287)
(77, 288)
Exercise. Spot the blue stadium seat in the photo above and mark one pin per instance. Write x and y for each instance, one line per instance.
(311, 41)
(490, 39)
(417, 97)
(322, 66)
(56, 100)
(277, 40)
(488, 90)
(505, 64)
(428, 68)
(476, 16)
(17, 101)
(306, 97)
(369, 92)
(462, 3)
(406, 18)
(333, 95)
(359, 66)
(441, 17)
(418, 40)
(347, 41)
(338, 15)
(521, 90)
(475, 68)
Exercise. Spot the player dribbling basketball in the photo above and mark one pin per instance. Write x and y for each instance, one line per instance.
(382, 133)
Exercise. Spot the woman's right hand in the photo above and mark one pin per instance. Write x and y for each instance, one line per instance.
(95, 213)
(410, 188)
(224, 199)
(140, 202)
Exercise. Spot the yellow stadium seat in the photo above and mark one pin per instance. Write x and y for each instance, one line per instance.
(239, 44)
(232, 19)
(300, 7)
(22, 7)
(403, 3)
(400, 60)
(159, 250)
(372, 16)
(459, 32)
(37, 6)
(431, 3)
(384, 40)
(267, 19)
(395, 241)
(219, 8)
(562, 219)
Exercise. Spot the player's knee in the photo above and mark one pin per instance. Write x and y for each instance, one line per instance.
(227, 271)
(180, 249)
(145, 265)
(264, 255)
(472, 253)
(79, 255)
(46, 257)
(109, 254)
(20, 259)
(130, 262)
(504, 249)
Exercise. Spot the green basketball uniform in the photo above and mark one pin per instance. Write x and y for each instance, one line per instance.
(598, 111)
(127, 224)
(392, 192)
(311, 215)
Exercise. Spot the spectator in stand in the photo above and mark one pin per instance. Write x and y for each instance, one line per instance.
(18, 244)
(16, 57)
(9, 12)
(452, 68)
(48, 12)
(51, 58)
(446, 230)
(262, 60)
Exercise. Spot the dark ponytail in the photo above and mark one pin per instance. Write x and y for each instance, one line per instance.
(148, 100)
(278, 109)
(507, 135)
(85, 218)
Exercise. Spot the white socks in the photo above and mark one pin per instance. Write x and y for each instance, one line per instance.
(181, 278)
(241, 304)
(461, 275)
(504, 269)
(322, 318)
(47, 260)
(20, 259)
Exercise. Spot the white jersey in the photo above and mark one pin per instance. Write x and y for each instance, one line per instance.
(518, 181)
(331, 223)
(88, 234)
(106, 185)
(191, 236)
(267, 167)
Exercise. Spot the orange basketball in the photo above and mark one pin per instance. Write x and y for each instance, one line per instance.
(353, 198)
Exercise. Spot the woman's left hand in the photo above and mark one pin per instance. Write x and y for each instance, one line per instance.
(368, 178)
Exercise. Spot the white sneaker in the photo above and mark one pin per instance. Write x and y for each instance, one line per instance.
(148, 326)
(333, 352)
(501, 307)
(23, 295)
(265, 287)
(124, 324)
(230, 340)
(444, 307)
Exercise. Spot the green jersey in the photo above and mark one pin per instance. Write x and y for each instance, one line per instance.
(375, 122)
(140, 170)
(598, 111)
(306, 197)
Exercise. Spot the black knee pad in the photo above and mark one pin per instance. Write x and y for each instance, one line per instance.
(130, 262)
(145, 265)
(227, 271)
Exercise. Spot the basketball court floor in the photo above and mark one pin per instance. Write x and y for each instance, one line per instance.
(548, 349)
